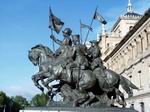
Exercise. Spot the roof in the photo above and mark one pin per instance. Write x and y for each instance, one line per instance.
(131, 32)
(128, 15)
(133, 14)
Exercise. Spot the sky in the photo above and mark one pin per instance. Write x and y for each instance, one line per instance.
(24, 24)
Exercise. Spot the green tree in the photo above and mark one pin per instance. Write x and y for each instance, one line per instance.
(13, 104)
(3, 100)
(40, 100)
(20, 102)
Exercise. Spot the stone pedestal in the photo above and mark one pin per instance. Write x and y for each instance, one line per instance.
(65, 109)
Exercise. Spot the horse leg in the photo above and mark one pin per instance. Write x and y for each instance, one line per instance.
(91, 97)
(119, 93)
(38, 76)
(36, 79)
(86, 82)
(84, 96)
(46, 84)
(112, 96)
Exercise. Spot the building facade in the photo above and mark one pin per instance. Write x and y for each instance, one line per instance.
(126, 50)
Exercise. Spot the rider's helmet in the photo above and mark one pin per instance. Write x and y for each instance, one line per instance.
(67, 32)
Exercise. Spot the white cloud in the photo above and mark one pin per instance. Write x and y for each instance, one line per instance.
(27, 91)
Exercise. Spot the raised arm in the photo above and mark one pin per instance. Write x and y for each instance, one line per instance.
(56, 40)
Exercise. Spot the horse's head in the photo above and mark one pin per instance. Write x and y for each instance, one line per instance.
(33, 57)
(36, 53)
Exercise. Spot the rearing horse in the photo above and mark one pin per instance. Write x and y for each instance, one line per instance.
(52, 69)
(38, 59)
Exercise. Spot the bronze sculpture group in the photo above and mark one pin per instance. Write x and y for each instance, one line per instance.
(84, 81)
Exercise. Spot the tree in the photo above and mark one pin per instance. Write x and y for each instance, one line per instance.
(3, 98)
(40, 100)
(4, 101)
(13, 104)
(20, 102)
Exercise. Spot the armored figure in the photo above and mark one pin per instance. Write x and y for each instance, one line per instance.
(80, 53)
(66, 41)
(95, 55)
(63, 53)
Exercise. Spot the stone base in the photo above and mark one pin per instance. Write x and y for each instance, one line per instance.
(65, 109)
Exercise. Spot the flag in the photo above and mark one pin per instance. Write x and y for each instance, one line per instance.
(85, 26)
(98, 17)
(54, 22)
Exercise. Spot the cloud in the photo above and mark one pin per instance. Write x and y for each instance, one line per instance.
(27, 91)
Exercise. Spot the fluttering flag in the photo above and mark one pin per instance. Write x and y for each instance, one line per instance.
(98, 17)
(85, 26)
(54, 22)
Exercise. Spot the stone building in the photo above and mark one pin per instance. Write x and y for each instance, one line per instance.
(126, 50)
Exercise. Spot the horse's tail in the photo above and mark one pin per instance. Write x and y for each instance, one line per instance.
(125, 82)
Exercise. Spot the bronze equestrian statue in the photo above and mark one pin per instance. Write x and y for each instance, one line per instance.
(81, 84)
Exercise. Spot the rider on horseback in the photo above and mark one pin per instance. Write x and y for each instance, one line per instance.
(63, 54)
(80, 53)
(66, 41)
(95, 54)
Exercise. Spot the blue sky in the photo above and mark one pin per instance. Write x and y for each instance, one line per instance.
(24, 23)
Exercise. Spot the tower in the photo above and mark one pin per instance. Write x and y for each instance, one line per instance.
(129, 9)
(109, 40)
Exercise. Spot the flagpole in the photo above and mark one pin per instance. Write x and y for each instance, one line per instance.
(90, 27)
(80, 32)
(88, 31)
(53, 40)
(50, 24)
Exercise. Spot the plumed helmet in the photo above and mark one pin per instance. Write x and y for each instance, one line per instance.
(67, 31)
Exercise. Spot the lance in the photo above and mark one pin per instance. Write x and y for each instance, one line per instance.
(90, 27)
(50, 26)
(80, 32)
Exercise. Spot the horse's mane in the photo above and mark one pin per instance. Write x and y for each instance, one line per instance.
(46, 49)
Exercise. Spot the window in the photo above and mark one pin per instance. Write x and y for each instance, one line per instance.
(142, 106)
(139, 72)
(108, 45)
(130, 28)
(140, 44)
(147, 39)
